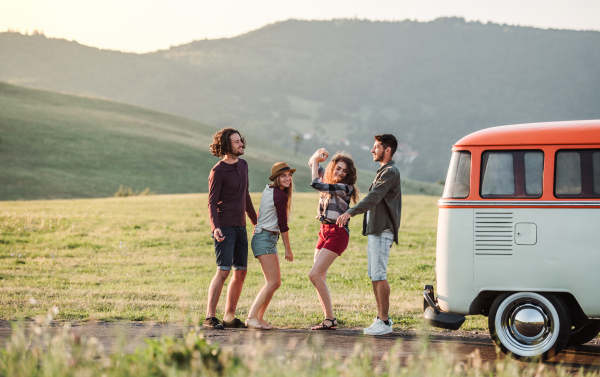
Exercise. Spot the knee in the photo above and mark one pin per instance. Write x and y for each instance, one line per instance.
(274, 285)
(239, 274)
(221, 275)
(314, 276)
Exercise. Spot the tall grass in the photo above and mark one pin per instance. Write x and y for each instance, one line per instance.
(66, 354)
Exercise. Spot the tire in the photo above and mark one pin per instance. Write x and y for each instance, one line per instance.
(530, 325)
(585, 333)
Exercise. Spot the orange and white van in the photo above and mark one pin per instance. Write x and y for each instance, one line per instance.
(519, 236)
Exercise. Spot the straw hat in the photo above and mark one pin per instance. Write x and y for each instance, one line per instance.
(278, 169)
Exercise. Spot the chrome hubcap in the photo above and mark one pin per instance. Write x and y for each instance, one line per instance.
(527, 324)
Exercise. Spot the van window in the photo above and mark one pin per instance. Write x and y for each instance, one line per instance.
(512, 174)
(596, 168)
(458, 180)
(568, 174)
(534, 173)
(499, 174)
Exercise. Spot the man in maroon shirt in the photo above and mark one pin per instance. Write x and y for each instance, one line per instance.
(228, 203)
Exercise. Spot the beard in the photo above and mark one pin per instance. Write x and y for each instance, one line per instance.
(378, 158)
(238, 152)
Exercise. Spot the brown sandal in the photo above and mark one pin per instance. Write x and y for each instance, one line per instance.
(324, 326)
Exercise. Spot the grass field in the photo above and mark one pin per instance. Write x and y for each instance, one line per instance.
(151, 258)
(59, 146)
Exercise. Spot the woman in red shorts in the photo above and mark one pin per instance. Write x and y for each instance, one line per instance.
(337, 185)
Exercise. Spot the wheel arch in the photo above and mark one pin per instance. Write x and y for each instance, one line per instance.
(483, 302)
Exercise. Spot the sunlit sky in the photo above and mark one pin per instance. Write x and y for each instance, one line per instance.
(148, 25)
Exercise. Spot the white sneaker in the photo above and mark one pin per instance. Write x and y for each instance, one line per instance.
(372, 324)
(380, 328)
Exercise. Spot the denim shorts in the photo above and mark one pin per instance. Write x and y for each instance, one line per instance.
(264, 243)
(378, 252)
(232, 252)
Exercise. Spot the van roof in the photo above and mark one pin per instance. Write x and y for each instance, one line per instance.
(568, 132)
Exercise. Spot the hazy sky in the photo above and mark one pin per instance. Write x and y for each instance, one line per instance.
(148, 25)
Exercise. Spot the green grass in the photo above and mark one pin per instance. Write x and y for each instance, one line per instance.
(56, 146)
(146, 258)
(68, 354)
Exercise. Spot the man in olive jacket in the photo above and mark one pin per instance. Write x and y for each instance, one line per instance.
(382, 207)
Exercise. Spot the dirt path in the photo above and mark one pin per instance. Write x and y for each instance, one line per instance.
(126, 336)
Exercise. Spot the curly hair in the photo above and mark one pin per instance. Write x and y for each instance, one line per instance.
(349, 179)
(221, 144)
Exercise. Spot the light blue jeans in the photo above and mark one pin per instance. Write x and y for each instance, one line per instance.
(378, 253)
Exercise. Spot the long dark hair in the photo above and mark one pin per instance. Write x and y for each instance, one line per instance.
(221, 144)
(349, 179)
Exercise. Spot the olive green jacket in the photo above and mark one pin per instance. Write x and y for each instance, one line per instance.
(384, 201)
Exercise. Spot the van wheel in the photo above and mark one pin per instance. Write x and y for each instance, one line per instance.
(584, 333)
(529, 325)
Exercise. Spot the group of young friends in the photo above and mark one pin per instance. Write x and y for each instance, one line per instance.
(229, 202)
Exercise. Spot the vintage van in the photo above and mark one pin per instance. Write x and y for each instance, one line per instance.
(519, 236)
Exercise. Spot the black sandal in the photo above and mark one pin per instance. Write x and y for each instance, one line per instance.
(323, 326)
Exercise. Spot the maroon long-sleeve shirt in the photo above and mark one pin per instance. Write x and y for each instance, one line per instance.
(229, 195)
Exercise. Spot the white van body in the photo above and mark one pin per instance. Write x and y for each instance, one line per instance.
(519, 236)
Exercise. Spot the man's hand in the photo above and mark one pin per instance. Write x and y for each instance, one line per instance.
(343, 219)
(288, 255)
(218, 235)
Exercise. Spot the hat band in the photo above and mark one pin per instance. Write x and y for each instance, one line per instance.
(283, 169)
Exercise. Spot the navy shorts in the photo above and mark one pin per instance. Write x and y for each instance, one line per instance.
(232, 252)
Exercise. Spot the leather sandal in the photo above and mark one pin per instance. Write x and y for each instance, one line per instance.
(255, 323)
(325, 326)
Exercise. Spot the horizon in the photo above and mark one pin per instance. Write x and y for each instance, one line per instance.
(150, 26)
(42, 32)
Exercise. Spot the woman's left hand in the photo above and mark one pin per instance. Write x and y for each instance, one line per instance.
(288, 255)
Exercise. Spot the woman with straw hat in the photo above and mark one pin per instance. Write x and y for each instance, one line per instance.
(273, 215)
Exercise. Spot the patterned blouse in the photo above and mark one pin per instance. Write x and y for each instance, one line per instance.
(334, 200)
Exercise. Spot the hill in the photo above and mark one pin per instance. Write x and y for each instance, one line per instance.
(429, 83)
(63, 146)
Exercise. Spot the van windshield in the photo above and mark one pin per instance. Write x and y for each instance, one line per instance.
(458, 181)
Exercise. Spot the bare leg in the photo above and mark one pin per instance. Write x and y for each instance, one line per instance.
(324, 278)
(376, 298)
(316, 275)
(214, 292)
(382, 292)
(233, 294)
(270, 267)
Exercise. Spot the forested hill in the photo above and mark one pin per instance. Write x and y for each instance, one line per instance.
(428, 83)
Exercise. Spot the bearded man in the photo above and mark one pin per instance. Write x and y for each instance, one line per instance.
(228, 203)
(382, 207)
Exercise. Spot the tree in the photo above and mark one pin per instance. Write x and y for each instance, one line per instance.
(297, 142)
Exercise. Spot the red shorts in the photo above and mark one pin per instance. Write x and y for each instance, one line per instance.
(333, 237)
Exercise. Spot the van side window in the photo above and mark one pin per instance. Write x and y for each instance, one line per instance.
(458, 180)
(499, 176)
(512, 174)
(577, 173)
(596, 167)
(568, 173)
(534, 173)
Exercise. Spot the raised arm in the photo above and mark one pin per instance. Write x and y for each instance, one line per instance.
(314, 163)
